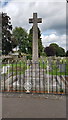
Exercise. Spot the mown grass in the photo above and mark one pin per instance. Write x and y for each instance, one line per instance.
(54, 67)
(19, 67)
(16, 68)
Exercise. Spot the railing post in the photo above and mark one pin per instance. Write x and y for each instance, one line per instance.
(31, 76)
(16, 75)
(4, 77)
(20, 77)
(65, 78)
(48, 74)
(12, 75)
(43, 78)
(39, 78)
(52, 77)
(8, 75)
(35, 75)
(56, 77)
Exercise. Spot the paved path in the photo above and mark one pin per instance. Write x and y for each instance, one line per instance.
(33, 106)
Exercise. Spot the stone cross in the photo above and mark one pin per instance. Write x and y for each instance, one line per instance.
(35, 20)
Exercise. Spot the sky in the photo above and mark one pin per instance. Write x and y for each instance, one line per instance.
(53, 14)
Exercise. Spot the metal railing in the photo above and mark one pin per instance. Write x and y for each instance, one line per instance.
(38, 77)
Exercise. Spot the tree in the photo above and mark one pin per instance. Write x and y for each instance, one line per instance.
(30, 41)
(55, 46)
(20, 36)
(67, 53)
(24, 41)
(40, 46)
(54, 49)
(50, 51)
(6, 34)
(61, 52)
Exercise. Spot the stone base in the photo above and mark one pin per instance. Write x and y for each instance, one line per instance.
(38, 79)
(35, 76)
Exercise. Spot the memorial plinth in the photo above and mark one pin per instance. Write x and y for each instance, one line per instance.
(32, 75)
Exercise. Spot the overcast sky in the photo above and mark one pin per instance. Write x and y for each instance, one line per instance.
(53, 14)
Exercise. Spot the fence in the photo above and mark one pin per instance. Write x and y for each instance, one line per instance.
(38, 77)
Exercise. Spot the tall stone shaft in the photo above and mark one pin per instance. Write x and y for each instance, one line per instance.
(35, 20)
(35, 39)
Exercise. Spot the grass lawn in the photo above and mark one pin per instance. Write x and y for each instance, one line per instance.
(20, 67)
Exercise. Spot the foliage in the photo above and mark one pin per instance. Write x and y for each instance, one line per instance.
(30, 37)
(24, 41)
(50, 51)
(6, 34)
(29, 57)
(54, 50)
(20, 36)
(60, 52)
(61, 90)
(67, 53)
